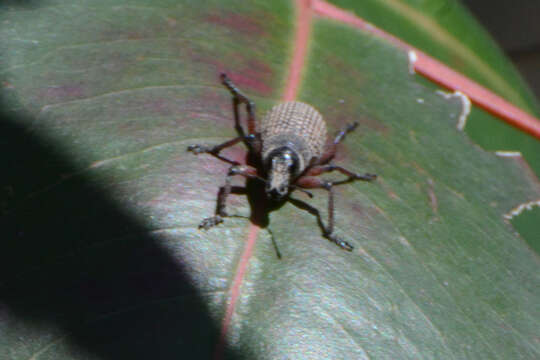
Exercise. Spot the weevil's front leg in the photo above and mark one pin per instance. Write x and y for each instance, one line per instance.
(224, 192)
(320, 169)
(331, 152)
(310, 182)
(239, 97)
(215, 150)
(252, 139)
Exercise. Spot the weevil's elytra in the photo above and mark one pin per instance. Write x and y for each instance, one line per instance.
(296, 125)
(290, 130)
(291, 153)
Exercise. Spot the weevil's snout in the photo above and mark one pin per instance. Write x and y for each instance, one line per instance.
(277, 191)
(279, 176)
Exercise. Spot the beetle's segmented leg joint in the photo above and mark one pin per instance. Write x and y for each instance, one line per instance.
(341, 243)
(327, 185)
(235, 170)
(232, 88)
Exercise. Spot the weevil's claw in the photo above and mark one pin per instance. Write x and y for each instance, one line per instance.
(372, 176)
(345, 245)
(341, 243)
(197, 149)
(294, 187)
(210, 222)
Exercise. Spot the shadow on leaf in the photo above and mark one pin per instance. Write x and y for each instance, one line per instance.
(72, 259)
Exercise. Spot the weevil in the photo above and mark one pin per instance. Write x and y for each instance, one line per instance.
(290, 151)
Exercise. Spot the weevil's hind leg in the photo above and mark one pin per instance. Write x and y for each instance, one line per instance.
(224, 192)
(252, 139)
(331, 151)
(311, 182)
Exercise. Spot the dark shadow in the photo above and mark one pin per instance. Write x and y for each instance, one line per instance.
(72, 259)
(260, 206)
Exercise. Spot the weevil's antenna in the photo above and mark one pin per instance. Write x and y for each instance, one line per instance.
(308, 193)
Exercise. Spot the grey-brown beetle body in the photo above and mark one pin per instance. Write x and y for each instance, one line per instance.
(296, 132)
(290, 150)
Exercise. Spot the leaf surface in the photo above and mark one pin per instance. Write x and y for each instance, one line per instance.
(102, 258)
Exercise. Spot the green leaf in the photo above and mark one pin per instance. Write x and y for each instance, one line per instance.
(101, 257)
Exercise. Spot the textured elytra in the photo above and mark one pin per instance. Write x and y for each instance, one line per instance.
(296, 125)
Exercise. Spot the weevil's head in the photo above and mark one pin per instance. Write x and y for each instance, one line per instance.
(281, 166)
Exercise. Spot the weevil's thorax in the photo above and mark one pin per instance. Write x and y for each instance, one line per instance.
(297, 127)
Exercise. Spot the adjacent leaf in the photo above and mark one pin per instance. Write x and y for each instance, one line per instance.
(102, 258)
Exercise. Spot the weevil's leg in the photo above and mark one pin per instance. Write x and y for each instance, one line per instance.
(199, 149)
(224, 192)
(331, 151)
(320, 169)
(239, 97)
(253, 139)
(236, 107)
(311, 182)
(214, 150)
